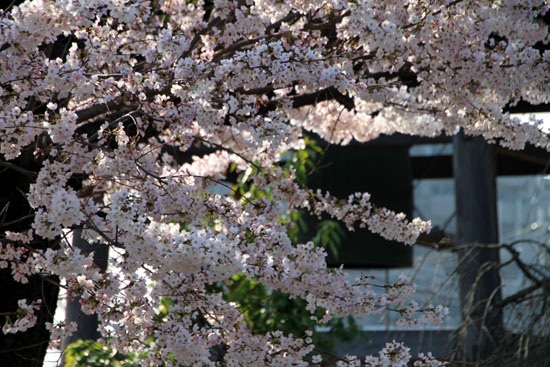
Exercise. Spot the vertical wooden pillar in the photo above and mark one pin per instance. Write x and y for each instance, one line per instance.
(474, 163)
(87, 324)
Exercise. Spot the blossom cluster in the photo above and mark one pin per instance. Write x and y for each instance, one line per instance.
(24, 317)
(392, 355)
(136, 112)
(430, 314)
(59, 331)
(16, 257)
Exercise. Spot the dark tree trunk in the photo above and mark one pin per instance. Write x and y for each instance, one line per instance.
(27, 349)
(23, 349)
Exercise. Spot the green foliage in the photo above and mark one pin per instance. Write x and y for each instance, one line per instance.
(87, 353)
(266, 310)
(295, 225)
(329, 235)
(304, 161)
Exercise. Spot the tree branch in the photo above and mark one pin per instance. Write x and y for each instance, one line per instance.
(18, 169)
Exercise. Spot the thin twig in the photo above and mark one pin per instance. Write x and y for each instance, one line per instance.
(21, 170)
(6, 224)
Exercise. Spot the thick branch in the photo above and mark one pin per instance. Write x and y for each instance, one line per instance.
(97, 110)
(323, 95)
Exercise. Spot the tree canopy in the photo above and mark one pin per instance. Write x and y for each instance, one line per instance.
(119, 117)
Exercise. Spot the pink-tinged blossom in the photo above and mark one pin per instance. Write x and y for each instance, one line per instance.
(59, 331)
(24, 317)
(144, 79)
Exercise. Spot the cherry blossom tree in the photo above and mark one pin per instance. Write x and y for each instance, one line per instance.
(97, 95)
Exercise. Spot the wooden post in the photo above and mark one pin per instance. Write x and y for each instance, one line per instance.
(87, 324)
(474, 164)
